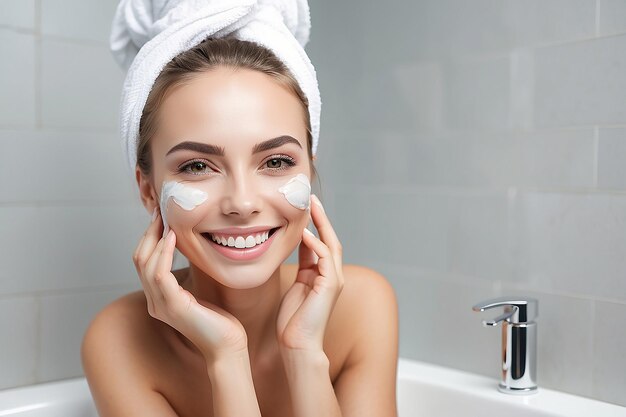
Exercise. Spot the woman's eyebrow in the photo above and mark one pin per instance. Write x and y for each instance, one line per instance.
(219, 151)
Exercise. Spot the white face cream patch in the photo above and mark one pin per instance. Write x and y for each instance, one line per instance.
(298, 191)
(186, 197)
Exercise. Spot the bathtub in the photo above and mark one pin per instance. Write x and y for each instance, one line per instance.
(424, 390)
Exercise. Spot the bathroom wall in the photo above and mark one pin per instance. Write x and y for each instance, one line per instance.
(480, 142)
(69, 222)
(483, 144)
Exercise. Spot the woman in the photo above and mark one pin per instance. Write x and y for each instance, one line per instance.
(233, 335)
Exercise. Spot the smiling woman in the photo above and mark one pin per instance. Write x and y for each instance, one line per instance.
(224, 162)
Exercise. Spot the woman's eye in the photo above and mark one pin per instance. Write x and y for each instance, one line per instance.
(276, 163)
(194, 167)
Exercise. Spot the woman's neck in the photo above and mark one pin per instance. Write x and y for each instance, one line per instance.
(256, 308)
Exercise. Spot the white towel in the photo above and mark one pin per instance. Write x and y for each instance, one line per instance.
(147, 34)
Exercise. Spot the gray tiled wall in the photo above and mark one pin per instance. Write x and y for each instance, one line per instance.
(468, 150)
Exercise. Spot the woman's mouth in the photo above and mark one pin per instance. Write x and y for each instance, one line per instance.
(242, 248)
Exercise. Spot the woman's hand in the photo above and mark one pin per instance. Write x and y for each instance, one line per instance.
(307, 305)
(214, 331)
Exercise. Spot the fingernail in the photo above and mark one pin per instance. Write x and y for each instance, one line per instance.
(308, 231)
(317, 201)
(154, 214)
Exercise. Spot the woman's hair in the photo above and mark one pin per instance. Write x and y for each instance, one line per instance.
(211, 53)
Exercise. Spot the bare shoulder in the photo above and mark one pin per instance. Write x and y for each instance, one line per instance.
(126, 324)
(363, 281)
(116, 351)
(119, 316)
(121, 327)
(368, 310)
(366, 291)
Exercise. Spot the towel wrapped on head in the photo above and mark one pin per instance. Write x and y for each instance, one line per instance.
(147, 34)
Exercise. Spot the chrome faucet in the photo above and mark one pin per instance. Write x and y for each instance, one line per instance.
(519, 342)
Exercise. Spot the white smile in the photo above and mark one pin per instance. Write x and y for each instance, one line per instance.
(241, 242)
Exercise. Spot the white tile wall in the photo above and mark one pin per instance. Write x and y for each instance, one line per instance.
(410, 226)
(539, 22)
(17, 14)
(556, 158)
(581, 83)
(477, 94)
(426, 300)
(611, 157)
(609, 353)
(434, 29)
(93, 25)
(17, 101)
(72, 71)
(19, 321)
(63, 165)
(611, 16)
(421, 89)
(571, 243)
(56, 247)
(70, 216)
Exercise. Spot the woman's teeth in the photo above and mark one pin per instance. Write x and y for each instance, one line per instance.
(240, 242)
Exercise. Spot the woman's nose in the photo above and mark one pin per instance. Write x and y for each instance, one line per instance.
(241, 197)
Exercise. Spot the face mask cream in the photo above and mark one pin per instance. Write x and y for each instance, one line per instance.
(298, 191)
(186, 197)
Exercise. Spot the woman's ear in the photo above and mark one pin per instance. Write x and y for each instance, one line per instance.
(146, 191)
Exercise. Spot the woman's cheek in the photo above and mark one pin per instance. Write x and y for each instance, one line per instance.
(297, 191)
(185, 198)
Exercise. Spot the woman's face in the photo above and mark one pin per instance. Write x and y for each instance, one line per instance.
(225, 114)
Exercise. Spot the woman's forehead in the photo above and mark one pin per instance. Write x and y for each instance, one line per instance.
(231, 107)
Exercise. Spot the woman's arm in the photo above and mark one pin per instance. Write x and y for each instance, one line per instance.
(232, 387)
(311, 389)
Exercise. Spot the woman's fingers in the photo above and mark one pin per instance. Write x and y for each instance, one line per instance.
(150, 240)
(327, 235)
(151, 271)
(165, 282)
(142, 254)
(325, 263)
(322, 223)
(306, 257)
